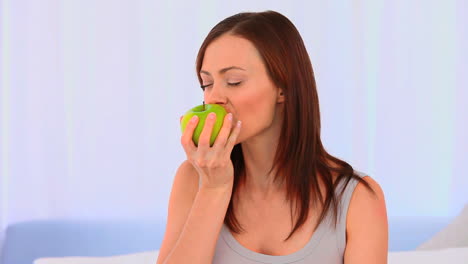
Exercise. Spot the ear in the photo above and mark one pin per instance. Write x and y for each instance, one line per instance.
(280, 96)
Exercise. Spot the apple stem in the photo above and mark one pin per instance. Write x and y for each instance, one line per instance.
(203, 105)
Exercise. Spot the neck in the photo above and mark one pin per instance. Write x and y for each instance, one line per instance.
(259, 153)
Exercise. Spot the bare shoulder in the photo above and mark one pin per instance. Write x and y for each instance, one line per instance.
(363, 201)
(361, 189)
(367, 223)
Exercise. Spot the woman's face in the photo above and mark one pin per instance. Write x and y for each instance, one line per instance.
(245, 90)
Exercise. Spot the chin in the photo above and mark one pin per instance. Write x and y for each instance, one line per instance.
(239, 139)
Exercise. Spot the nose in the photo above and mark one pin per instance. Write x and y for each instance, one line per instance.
(215, 96)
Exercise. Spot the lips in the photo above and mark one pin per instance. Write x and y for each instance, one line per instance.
(227, 109)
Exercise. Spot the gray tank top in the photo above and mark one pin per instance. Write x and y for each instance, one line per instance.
(326, 245)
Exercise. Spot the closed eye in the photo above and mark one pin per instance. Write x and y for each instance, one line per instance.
(234, 84)
(230, 84)
(204, 86)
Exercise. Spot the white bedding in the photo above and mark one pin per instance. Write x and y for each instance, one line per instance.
(440, 256)
(148, 257)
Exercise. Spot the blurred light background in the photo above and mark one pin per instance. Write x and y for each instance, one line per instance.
(91, 93)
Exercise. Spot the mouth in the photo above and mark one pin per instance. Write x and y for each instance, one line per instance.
(227, 110)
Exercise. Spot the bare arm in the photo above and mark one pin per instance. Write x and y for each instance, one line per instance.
(195, 215)
(197, 241)
(367, 226)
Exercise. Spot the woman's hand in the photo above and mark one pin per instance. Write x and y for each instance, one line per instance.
(213, 164)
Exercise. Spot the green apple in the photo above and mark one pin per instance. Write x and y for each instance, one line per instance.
(202, 112)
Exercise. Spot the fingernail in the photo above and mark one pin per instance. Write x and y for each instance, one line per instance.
(193, 119)
(230, 116)
(212, 115)
(239, 123)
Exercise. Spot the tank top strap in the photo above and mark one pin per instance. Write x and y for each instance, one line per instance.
(343, 208)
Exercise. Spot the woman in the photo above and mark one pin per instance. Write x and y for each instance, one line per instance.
(267, 192)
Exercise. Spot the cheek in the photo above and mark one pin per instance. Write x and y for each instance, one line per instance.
(255, 109)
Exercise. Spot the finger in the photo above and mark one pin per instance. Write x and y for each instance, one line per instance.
(223, 135)
(204, 140)
(233, 137)
(186, 138)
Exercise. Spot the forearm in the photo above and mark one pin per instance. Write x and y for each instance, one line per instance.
(197, 241)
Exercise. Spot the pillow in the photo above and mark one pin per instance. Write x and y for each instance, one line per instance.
(436, 256)
(148, 257)
(454, 235)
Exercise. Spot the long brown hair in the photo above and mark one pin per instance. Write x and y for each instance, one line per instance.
(300, 154)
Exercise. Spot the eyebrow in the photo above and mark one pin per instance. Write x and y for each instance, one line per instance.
(224, 70)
